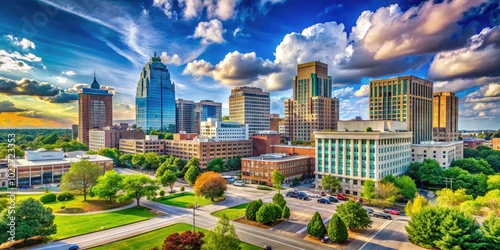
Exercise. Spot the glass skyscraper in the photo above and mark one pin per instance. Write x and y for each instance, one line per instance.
(155, 99)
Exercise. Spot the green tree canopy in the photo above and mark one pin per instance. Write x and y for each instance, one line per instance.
(112, 153)
(386, 192)
(216, 165)
(191, 174)
(136, 186)
(126, 159)
(286, 213)
(223, 236)
(279, 200)
(474, 166)
(252, 208)
(494, 161)
(277, 178)
(368, 191)
(266, 213)
(407, 186)
(413, 207)
(431, 172)
(354, 215)
(337, 230)
(108, 185)
(82, 175)
(139, 161)
(330, 183)
(168, 179)
(316, 227)
(470, 153)
(491, 231)
(413, 171)
(152, 160)
(448, 198)
(389, 179)
(493, 182)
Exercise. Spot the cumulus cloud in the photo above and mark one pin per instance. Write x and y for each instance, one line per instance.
(16, 61)
(481, 57)
(210, 32)
(43, 90)
(343, 92)
(61, 79)
(278, 105)
(236, 69)
(69, 73)
(458, 85)
(363, 91)
(170, 59)
(24, 43)
(482, 104)
(8, 106)
(166, 6)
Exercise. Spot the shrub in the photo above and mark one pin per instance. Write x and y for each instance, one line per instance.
(286, 213)
(278, 212)
(337, 230)
(46, 198)
(182, 188)
(252, 209)
(264, 188)
(316, 227)
(162, 193)
(266, 213)
(65, 196)
(279, 200)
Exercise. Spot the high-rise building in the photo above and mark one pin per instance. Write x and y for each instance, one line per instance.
(74, 132)
(250, 105)
(185, 116)
(95, 110)
(155, 98)
(312, 107)
(445, 117)
(206, 109)
(404, 98)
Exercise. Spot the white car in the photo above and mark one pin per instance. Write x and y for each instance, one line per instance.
(239, 183)
(313, 195)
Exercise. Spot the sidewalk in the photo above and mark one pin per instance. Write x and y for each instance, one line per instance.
(131, 205)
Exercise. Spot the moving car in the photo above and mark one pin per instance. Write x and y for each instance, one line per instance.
(324, 200)
(382, 215)
(391, 211)
(342, 197)
(73, 247)
(369, 211)
(333, 199)
(298, 195)
(325, 239)
(239, 183)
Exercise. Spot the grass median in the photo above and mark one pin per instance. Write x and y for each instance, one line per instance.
(232, 212)
(183, 200)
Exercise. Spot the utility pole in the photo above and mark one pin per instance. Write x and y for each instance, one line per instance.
(194, 214)
(451, 182)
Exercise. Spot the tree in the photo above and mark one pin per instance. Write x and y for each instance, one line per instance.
(82, 175)
(491, 231)
(470, 153)
(407, 186)
(413, 171)
(389, 179)
(286, 213)
(112, 153)
(138, 160)
(108, 185)
(4, 151)
(251, 210)
(50, 139)
(386, 192)
(266, 213)
(279, 200)
(316, 227)
(337, 230)
(494, 161)
(216, 165)
(368, 191)
(368, 129)
(474, 184)
(413, 207)
(136, 186)
(491, 200)
(424, 227)
(210, 185)
(474, 166)
(330, 184)
(188, 240)
(493, 182)
(460, 232)
(168, 179)
(430, 172)
(164, 167)
(191, 174)
(353, 215)
(448, 198)
(31, 219)
(126, 159)
(454, 172)
(471, 207)
(152, 161)
(193, 162)
(277, 178)
(223, 236)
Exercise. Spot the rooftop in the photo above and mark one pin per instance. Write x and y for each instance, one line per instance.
(276, 158)
(65, 160)
(473, 139)
(436, 143)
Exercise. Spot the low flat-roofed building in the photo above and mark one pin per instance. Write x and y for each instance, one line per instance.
(258, 169)
(495, 143)
(443, 152)
(142, 146)
(4, 173)
(473, 143)
(109, 137)
(42, 166)
(223, 131)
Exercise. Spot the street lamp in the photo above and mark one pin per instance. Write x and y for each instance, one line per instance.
(194, 214)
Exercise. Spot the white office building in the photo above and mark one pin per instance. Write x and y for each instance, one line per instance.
(443, 152)
(223, 131)
(354, 155)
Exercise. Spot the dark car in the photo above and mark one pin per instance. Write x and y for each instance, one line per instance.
(382, 215)
(369, 211)
(298, 195)
(342, 197)
(324, 200)
(325, 239)
(333, 199)
(391, 211)
(312, 185)
(322, 193)
(73, 247)
(267, 247)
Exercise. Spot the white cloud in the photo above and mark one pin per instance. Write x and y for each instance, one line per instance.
(16, 61)
(461, 84)
(166, 6)
(238, 32)
(24, 43)
(210, 32)
(69, 73)
(61, 79)
(343, 92)
(221, 9)
(167, 59)
(363, 91)
(198, 68)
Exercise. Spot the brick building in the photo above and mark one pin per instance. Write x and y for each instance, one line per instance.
(142, 146)
(473, 143)
(263, 141)
(109, 137)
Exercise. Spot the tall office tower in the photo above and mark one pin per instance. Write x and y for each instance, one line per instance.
(185, 116)
(207, 109)
(155, 98)
(404, 98)
(445, 117)
(312, 107)
(250, 105)
(74, 132)
(95, 110)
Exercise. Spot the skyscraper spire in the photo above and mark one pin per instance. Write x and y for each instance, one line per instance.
(154, 55)
(94, 74)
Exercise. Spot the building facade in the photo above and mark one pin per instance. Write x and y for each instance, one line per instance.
(445, 117)
(276, 122)
(473, 143)
(142, 146)
(155, 98)
(206, 109)
(95, 110)
(263, 141)
(74, 132)
(407, 99)
(223, 131)
(443, 152)
(185, 116)
(250, 105)
(259, 169)
(109, 137)
(4, 173)
(312, 107)
(495, 143)
(357, 156)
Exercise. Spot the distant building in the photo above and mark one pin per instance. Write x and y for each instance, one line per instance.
(42, 166)
(263, 141)
(185, 116)
(4, 173)
(109, 137)
(355, 156)
(223, 131)
(312, 107)
(281, 129)
(443, 152)
(142, 146)
(473, 143)
(250, 105)
(206, 109)
(445, 117)
(294, 150)
(259, 169)
(95, 110)
(276, 122)
(495, 143)
(274, 116)
(74, 132)
(155, 98)
(407, 99)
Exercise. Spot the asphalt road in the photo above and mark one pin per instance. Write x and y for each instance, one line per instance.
(392, 235)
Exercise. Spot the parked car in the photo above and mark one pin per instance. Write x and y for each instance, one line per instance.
(391, 211)
(333, 199)
(342, 197)
(313, 195)
(312, 185)
(239, 183)
(325, 239)
(322, 193)
(73, 247)
(369, 211)
(324, 200)
(382, 215)
(267, 247)
(298, 195)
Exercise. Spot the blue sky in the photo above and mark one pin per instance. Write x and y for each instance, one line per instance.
(50, 48)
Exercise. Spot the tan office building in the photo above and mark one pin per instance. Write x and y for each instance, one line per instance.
(312, 108)
(142, 146)
(109, 137)
(443, 152)
(445, 117)
(495, 142)
(407, 99)
(250, 105)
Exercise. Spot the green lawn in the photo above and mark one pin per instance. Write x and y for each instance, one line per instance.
(183, 200)
(232, 212)
(72, 225)
(156, 238)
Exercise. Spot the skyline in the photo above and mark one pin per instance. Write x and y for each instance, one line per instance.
(210, 48)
